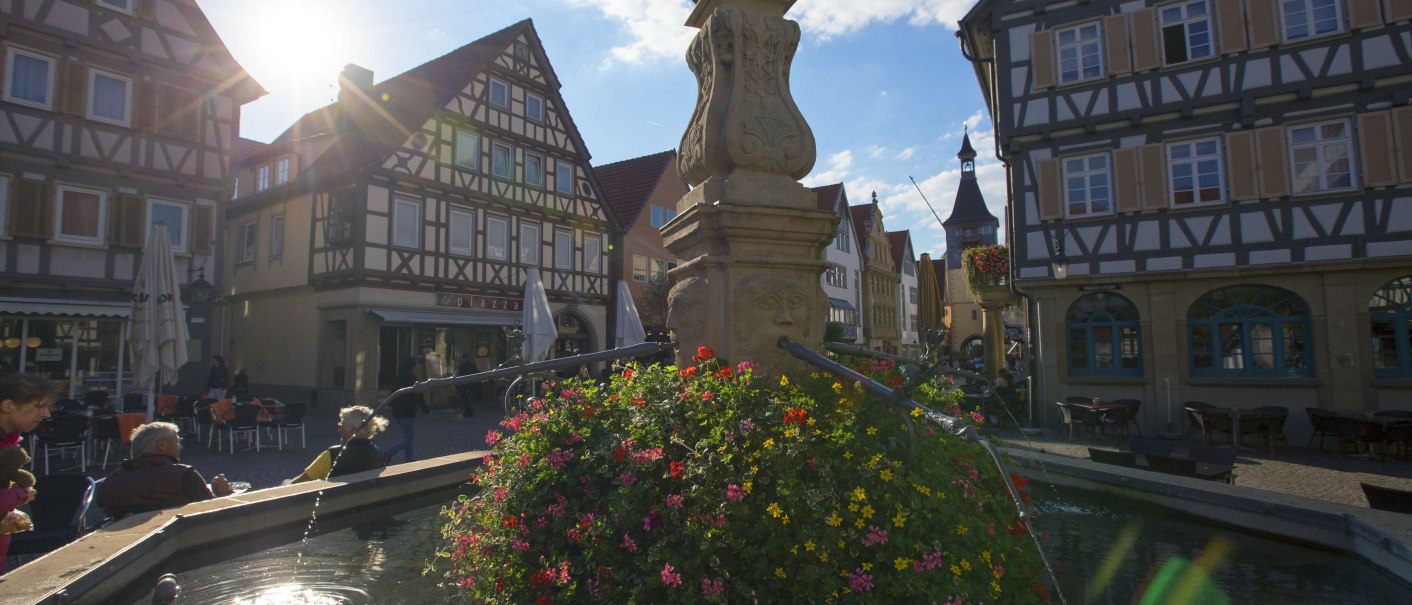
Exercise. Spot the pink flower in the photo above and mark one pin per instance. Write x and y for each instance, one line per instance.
(711, 587)
(674, 501)
(629, 544)
(859, 581)
(734, 493)
(491, 438)
(652, 521)
(669, 576)
(746, 366)
(875, 535)
(557, 458)
(706, 396)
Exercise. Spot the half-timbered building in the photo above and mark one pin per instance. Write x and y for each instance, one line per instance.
(114, 115)
(842, 279)
(1229, 184)
(402, 220)
(642, 193)
(900, 246)
(881, 329)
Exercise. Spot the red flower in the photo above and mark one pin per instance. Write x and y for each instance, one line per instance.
(794, 416)
(706, 396)
(676, 467)
(723, 373)
(627, 374)
(703, 354)
(688, 373)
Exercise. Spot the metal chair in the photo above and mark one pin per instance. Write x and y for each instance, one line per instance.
(63, 433)
(135, 402)
(1192, 408)
(1120, 418)
(293, 419)
(246, 422)
(1268, 424)
(183, 411)
(220, 413)
(69, 406)
(1400, 434)
(1075, 416)
(96, 400)
(60, 505)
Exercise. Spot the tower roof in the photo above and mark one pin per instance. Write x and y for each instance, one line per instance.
(967, 152)
(970, 204)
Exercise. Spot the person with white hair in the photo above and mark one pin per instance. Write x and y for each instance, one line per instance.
(154, 478)
(355, 452)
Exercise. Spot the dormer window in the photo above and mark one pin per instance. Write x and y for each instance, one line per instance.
(522, 51)
(282, 171)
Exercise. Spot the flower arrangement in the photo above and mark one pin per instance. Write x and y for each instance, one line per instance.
(987, 265)
(705, 484)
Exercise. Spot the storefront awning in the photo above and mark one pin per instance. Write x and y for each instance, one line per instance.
(443, 318)
(839, 303)
(44, 306)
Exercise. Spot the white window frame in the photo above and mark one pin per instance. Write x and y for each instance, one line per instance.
(497, 228)
(462, 222)
(281, 171)
(59, 234)
(840, 239)
(640, 267)
(276, 247)
(1087, 172)
(48, 102)
(1180, 16)
(1077, 47)
(262, 178)
(1321, 146)
(533, 101)
(661, 215)
(247, 237)
(534, 169)
(183, 229)
(521, 51)
(402, 236)
(593, 254)
(122, 9)
(4, 204)
(126, 118)
(466, 142)
(1306, 10)
(563, 246)
(531, 241)
(505, 170)
(564, 177)
(1200, 158)
(504, 88)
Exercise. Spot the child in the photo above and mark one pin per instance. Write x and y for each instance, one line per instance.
(24, 403)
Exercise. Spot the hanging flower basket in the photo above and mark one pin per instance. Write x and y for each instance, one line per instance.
(986, 267)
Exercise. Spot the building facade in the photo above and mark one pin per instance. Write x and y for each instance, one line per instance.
(1227, 183)
(401, 222)
(882, 330)
(900, 244)
(842, 280)
(642, 194)
(114, 115)
(970, 224)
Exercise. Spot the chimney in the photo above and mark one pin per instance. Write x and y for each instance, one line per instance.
(354, 79)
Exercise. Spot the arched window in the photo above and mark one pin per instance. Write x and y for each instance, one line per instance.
(1390, 313)
(1250, 331)
(1103, 336)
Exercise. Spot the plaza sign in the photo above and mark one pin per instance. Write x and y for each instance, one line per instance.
(481, 303)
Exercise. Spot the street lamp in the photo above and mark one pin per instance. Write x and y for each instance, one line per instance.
(1059, 263)
(201, 291)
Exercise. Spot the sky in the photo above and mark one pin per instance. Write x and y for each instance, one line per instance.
(882, 83)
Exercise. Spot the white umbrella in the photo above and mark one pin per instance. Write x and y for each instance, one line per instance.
(157, 327)
(629, 329)
(538, 323)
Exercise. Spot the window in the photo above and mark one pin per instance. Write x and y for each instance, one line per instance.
(1195, 169)
(522, 51)
(262, 178)
(529, 244)
(121, 5)
(501, 162)
(463, 231)
(246, 236)
(534, 107)
(467, 149)
(406, 223)
(497, 238)
(836, 276)
(1390, 314)
(1250, 331)
(564, 177)
(276, 236)
(592, 254)
(174, 215)
(534, 169)
(1305, 18)
(639, 268)
(1186, 32)
(563, 249)
(1080, 53)
(81, 215)
(662, 216)
(842, 236)
(282, 171)
(908, 267)
(499, 93)
(1104, 338)
(912, 295)
(1086, 190)
(659, 270)
(1320, 156)
(29, 78)
(109, 97)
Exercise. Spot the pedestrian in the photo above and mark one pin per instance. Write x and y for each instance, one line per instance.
(404, 410)
(355, 451)
(25, 402)
(466, 392)
(154, 478)
(218, 379)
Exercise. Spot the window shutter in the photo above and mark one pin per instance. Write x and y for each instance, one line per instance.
(29, 210)
(1115, 32)
(126, 224)
(201, 230)
(1240, 164)
(1264, 24)
(1398, 10)
(1402, 140)
(144, 105)
(1145, 40)
(1271, 151)
(1375, 144)
(1127, 187)
(1051, 196)
(1154, 177)
(1363, 14)
(1230, 26)
(1042, 59)
(75, 88)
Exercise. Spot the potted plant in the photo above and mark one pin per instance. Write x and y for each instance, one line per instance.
(986, 267)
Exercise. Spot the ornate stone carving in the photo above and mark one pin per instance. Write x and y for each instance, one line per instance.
(745, 117)
(766, 308)
(686, 314)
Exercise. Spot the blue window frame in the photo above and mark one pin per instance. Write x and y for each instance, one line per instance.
(1390, 315)
(1250, 331)
(1104, 337)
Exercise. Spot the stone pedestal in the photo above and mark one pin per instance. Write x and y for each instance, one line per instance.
(994, 299)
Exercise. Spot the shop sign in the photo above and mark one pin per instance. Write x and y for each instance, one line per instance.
(483, 303)
(1099, 287)
(49, 354)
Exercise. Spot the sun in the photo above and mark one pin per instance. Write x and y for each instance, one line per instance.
(298, 45)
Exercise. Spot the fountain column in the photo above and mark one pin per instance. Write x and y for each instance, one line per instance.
(749, 235)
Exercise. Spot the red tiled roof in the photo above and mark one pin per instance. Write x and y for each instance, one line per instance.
(828, 196)
(246, 148)
(628, 184)
(897, 240)
(860, 215)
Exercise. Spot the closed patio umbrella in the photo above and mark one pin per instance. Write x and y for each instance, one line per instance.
(538, 321)
(930, 314)
(629, 329)
(157, 332)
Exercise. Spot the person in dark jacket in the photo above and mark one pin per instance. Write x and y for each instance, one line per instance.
(155, 478)
(466, 392)
(404, 410)
(355, 451)
(218, 379)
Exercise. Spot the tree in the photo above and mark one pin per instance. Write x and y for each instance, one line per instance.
(652, 307)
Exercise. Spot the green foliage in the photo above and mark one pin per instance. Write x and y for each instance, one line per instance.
(707, 485)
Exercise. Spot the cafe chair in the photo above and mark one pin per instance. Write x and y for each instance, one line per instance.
(1078, 399)
(1193, 409)
(1220, 455)
(1120, 418)
(182, 412)
(96, 400)
(1127, 459)
(220, 413)
(1076, 416)
(293, 419)
(1211, 420)
(60, 434)
(135, 402)
(69, 406)
(245, 421)
(1397, 434)
(1145, 446)
(1268, 424)
(58, 511)
(1185, 467)
(1387, 498)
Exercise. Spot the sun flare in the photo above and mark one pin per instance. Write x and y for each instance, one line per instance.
(299, 44)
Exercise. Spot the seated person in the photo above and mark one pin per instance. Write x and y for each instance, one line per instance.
(155, 478)
(355, 453)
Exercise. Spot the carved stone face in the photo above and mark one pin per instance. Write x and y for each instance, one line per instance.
(767, 308)
(686, 317)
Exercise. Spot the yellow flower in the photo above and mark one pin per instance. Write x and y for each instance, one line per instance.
(779, 573)
(922, 489)
(785, 520)
(748, 485)
(901, 563)
(769, 443)
(985, 557)
(809, 544)
(872, 430)
(868, 511)
(859, 494)
(966, 565)
(886, 475)
(847, 455)
(810, 421)
(961, 530)
(834, 520)
(840, 544)
(867, 566)
(899, 519)
(956, 571)
(784, 381)
(858, 524)
(994, 587)
(838, 387)
(791, 431)
(775, 510)
(853, 507)
(916, 412)
(794, 550)
(823, 557)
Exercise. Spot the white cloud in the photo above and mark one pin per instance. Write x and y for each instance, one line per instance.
(905, 154)
(829, 18)
(655, 26)
(837, 170)
(882, 93)
(876, 151)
